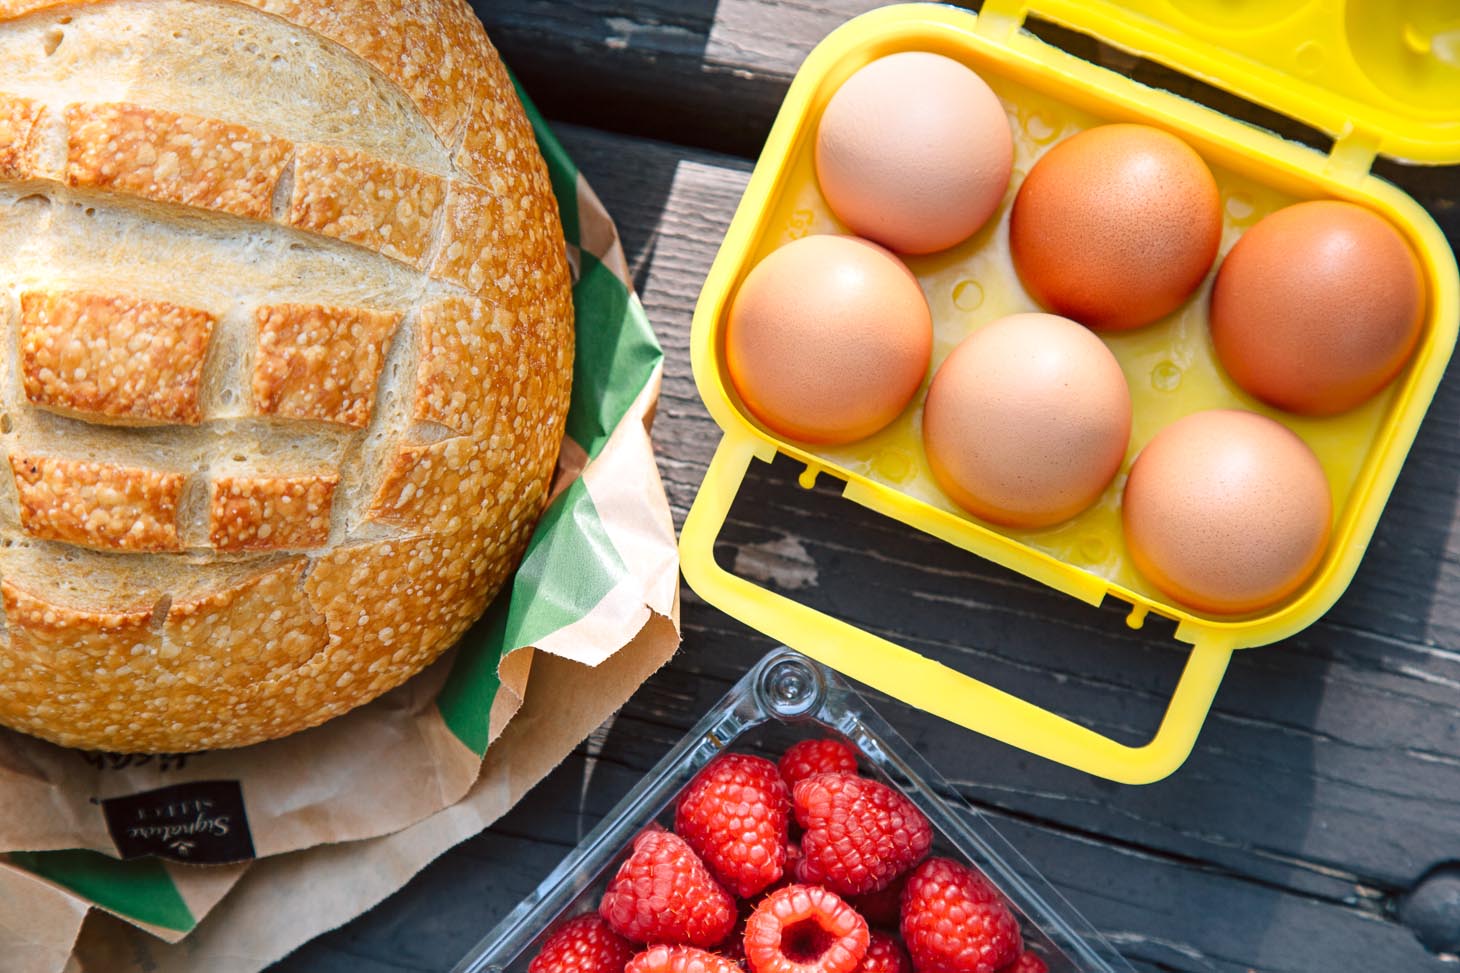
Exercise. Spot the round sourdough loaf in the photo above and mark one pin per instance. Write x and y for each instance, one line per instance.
(288, 343)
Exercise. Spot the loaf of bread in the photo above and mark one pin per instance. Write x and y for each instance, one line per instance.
(288, 344)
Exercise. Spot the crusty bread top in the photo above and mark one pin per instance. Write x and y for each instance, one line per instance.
(290, 338)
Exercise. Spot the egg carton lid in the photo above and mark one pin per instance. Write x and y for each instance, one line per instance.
(1381, 78)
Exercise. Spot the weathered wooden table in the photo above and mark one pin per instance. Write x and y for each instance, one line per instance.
(1325, 788)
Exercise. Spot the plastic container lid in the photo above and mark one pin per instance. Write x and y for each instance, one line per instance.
(1383, 73)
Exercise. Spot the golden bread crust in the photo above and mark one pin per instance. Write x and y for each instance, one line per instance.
(174, 158)
(110, 508)
(270, 513)
(63, 664)
(302, 500)
(434, 50)
(433, 488)
(461, 336)
(352, 197)
(18, 118)
(224, 645)
(111, 357)
(436, 587)
(79, 644)
(317, 362)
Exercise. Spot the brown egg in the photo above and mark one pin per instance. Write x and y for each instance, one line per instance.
(914, 151)
(1317, 307)
(1116, 226)
(1027, 421)
(828, 339)
(1227, 511)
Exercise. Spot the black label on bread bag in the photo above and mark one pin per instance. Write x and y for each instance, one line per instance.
(202, 823)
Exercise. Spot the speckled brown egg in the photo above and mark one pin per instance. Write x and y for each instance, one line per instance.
(1317, 307)
(914, 151)
(828, 339)
(1227, 511)
(1027, 420)
(1115, 227)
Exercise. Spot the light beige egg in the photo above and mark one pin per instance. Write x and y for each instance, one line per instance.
(1227, 511)
(828, 339)
(1027, 421)
(914, 151)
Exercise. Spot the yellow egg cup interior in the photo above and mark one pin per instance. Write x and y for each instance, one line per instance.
(1170, 367)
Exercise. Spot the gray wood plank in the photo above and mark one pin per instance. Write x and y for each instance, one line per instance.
(701, 72)
(1324, 784)
(712, 73)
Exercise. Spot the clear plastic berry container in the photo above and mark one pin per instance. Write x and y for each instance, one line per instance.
(787, 697)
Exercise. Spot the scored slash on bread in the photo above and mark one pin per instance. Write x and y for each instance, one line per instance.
(295, 326)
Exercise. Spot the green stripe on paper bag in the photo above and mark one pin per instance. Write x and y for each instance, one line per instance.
(465, 702)
(561, 170)
(141, 890)
(570, 566)
(615, 355)
(616, 348)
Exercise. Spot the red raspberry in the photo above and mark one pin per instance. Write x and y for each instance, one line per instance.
(860, 834)
(884, 955)
(1028, 963)
(734, 815)
(825, 756)
(788, 876)
(804, 929)
(582, 945)
(955, 921)
(882, 908)
(664, 894)
(679, 959)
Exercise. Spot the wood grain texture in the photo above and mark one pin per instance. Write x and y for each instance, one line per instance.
(699, 72)
(1327, 779)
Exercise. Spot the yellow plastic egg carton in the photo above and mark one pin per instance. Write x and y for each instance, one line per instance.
(1357, 69)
